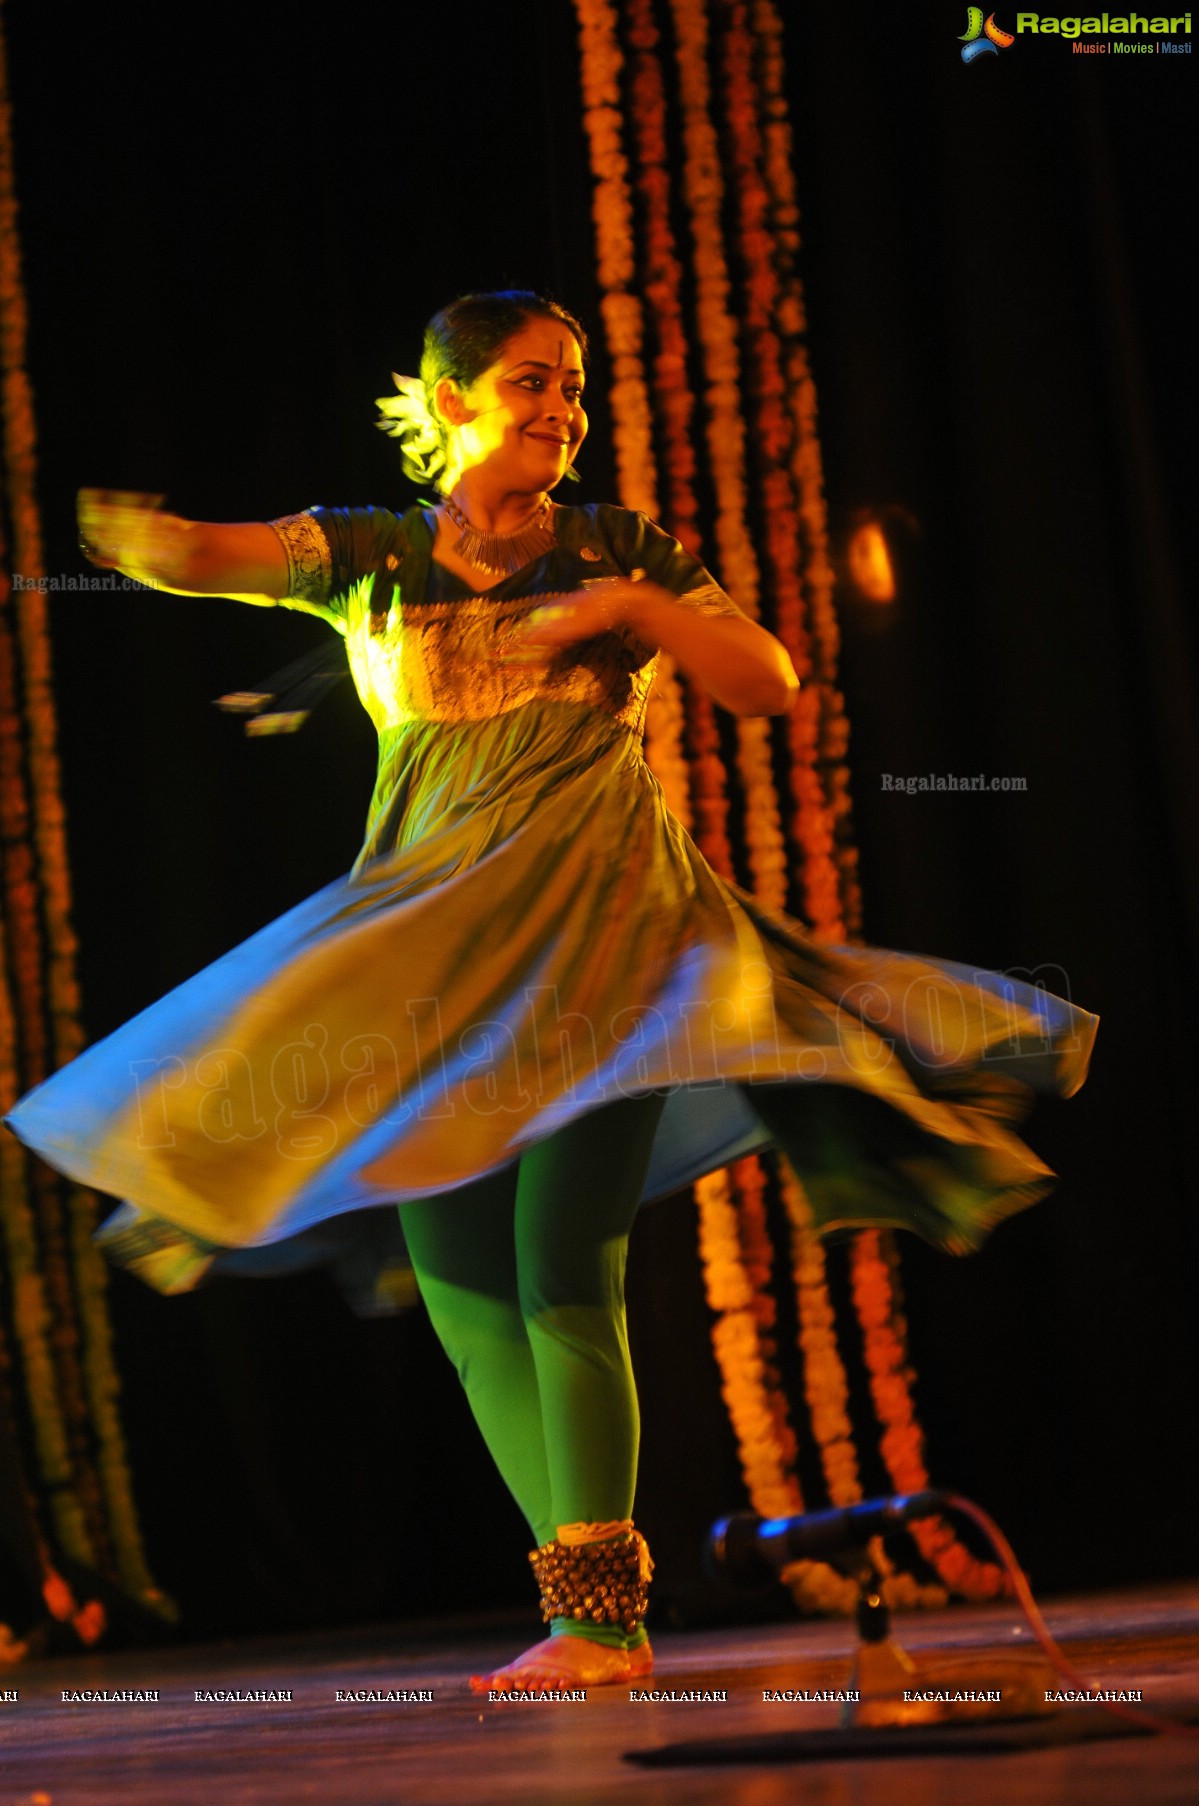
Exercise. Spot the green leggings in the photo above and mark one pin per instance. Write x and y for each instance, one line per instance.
(523, 1277)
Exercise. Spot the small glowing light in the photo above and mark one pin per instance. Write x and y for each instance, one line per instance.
(870, 569)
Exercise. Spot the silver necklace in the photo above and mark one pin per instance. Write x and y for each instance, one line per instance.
(502, 553)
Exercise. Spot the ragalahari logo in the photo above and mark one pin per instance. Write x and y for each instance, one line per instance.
(982, 37)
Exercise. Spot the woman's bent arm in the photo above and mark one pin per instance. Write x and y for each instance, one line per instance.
(741, 666)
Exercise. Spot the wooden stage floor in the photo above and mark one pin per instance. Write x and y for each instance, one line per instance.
(457, 1749)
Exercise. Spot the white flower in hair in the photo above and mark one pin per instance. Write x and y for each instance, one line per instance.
(406, 417)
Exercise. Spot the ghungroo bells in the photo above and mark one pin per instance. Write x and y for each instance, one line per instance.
(603, 1583)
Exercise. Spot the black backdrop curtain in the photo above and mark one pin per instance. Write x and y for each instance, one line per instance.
(227, 248)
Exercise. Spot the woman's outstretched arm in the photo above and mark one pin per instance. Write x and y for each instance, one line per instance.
(244, 560)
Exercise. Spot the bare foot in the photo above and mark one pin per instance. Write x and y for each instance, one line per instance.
(568, 1661)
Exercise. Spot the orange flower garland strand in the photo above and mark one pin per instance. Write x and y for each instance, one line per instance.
(735, 1241)
(703, 189)
(19, 955)
(70, 1380)
(812, 1584)
(662, 275)
(825, 1383)
(601, 59)
(826, 730)
(826, 1387)
(742, 1336)
(662, 286)
(709, 801)
(750, 1384)
(813, 823)
(735, 1245)
(875, 1278)
(826, 812)
(742, 1361)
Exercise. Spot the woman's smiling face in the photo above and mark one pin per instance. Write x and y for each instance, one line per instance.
(524, 414)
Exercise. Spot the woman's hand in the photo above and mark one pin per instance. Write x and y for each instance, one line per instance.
(120, 529)
(123, 531)
(604, 607)
(741, 666)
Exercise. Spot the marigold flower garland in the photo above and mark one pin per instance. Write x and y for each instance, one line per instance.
(829, 734)
(703, 189)
(875, 1279)
(815, 1585)
(19, 948)
(741, 1336)
(735, 1242)
(763, 155)
(709, 805)
(601, 61)
(826, 1387)
(813, 824)
(739, 1293)
(69, 1376)
(662, 276)
(749, 1381)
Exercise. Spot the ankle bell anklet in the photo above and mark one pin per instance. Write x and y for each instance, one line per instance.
(594, 1581)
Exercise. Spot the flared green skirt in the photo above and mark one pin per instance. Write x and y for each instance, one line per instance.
(528, 934)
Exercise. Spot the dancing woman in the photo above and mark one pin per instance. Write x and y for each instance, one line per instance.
(531, 1004)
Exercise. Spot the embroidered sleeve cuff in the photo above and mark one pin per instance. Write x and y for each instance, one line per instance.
(710, 599)
(309, 560)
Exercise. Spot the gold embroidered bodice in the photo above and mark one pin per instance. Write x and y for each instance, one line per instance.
(419, 655)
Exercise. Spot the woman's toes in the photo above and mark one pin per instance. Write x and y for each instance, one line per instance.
(565, 1662)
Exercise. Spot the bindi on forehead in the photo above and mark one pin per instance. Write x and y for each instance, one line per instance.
(541, 350)
(534, 363)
